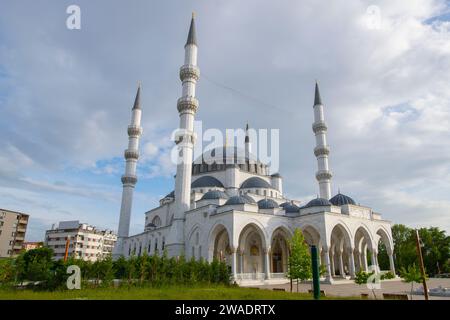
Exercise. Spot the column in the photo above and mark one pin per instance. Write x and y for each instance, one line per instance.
(333, 269)
(267, 262)
(234, 263)
(374, 260)
(391, 263)
(341, 264)
(241, 253)
(327, 265)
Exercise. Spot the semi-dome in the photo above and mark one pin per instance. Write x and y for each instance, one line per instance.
(317, 203)
(289, 207)
(267, 204)
(341, 199)
(239, 200)
(214, 194)
(255, 182)
(206, 181)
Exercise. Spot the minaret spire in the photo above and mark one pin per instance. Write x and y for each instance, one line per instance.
(321, 151)
(129, 179)
(187, 108)
(248, 146)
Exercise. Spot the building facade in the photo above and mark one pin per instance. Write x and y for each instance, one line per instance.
(13, 226)
(85, 242)
(235, 210)
(32, 245)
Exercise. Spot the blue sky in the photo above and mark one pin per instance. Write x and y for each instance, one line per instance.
(66, 96)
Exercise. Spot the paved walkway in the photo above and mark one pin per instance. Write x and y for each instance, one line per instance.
(346, 288)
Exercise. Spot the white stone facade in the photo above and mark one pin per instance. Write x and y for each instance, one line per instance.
(236, 211)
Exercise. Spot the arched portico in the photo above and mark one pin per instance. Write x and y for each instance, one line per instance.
(279, 253)
(363, 242)
(384, 237)
(341, 253)
(253, 253)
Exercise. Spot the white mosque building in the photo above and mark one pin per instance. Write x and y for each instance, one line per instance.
(234, 210)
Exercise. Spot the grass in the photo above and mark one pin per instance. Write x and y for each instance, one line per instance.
(149, 293)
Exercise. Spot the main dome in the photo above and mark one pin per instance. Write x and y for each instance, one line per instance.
(219, 158)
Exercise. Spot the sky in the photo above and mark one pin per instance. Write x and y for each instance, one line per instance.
(66, 96)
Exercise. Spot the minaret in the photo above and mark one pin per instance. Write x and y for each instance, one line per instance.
(321, 150)
(129, 179)
(187, 107)
(248, 146)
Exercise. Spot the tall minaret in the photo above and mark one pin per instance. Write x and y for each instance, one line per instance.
(129, 179)
(187, 107)
(248, 146)
(321, 150)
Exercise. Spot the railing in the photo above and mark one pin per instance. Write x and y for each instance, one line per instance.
(251, 276)
(278, 275)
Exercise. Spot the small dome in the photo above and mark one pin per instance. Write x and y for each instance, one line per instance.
(239, 200)
(289, 207)
(206, 181)
(214, 194)
(267, 204)
(342, 199)
(317, 203)
(255, 182)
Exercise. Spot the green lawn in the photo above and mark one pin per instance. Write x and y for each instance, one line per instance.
(147, 293)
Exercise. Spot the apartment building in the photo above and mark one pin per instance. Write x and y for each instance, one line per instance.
(85, 241)
(13, 226)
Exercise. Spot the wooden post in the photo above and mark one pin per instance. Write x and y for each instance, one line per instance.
(422, 268)
(67, 248)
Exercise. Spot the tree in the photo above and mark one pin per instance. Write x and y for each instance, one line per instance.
(362, 277)
(300, 258)
(410, 275)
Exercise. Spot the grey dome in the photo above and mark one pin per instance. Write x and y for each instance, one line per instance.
(267, 204)
(214, 194)
(239, 200)
(317, 203)
(255, 182)
(342, 199)
(206, 181)
(289, 207)
(230, 155)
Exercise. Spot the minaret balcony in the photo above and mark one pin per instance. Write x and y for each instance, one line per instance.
(319, 126)
(131, 154)
(321, 151)
(189, 72)
(187, 104)
(323, 175)
(129, 179)
(134, 131)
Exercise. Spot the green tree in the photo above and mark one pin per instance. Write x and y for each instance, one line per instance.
(411, 275)
(362, 277)
(300, 258)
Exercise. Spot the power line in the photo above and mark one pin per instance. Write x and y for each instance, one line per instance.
(245, 95)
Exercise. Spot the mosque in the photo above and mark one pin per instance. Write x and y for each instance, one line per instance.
(235, 210)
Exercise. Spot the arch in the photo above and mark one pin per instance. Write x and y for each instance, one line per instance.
(215, 230)
(362, 234)
(311, 234)
(194, 242)
(279, 249)
(156, 221)
(252, 248)
(342, 227)
(384, 236)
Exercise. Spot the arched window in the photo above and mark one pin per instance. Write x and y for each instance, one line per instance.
(157, 221)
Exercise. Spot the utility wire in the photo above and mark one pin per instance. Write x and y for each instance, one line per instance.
(245, 95)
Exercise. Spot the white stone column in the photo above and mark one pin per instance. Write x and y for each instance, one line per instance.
(234, 263)
(391, 263)
(351, 263)
(267, 262)
(333, 269)
(327, 265)
(241, 254)
(374, 260)
(341, 264)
